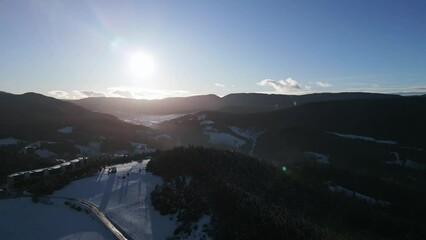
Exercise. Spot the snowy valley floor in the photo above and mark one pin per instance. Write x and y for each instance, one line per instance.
(22, 219)
(123, 196)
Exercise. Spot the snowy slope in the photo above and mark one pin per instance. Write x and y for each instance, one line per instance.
(8, 141)
(364, 138)
(350, 193)
(216, 137)
(125, 201)
(66, 130)
(320, 158)
(22, 219)
(250, 133)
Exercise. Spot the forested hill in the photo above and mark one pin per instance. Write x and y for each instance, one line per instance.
(249, 199)
(234, 103)
(399, 119)
(35, 117)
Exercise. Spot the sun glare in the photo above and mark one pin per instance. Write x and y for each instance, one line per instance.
(142, 65)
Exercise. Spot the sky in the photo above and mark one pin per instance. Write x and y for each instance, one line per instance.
(157, 49)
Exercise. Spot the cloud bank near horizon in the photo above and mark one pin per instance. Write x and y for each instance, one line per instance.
(121, 92)
(284, 86)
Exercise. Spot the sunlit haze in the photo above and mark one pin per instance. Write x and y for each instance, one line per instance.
(158, 49)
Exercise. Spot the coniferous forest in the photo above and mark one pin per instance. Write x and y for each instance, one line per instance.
(250, 199)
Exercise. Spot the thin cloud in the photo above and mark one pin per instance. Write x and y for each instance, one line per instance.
(283, 85)
(124, 94)
(90, 93)
(59, 94)
(145, 93)
(324, 84)
(219, 85)
(76, 94)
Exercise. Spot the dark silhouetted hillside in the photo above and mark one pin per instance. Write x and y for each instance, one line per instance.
(237, 103)
(35, 117)
(249, 199)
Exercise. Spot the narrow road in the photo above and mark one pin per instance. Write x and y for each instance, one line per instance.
(104, 219)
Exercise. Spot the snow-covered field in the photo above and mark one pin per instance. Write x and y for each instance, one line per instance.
(414, 165)
(249, 133)
(66, 130)
(216, 137)
(370, 139)
(9, 141)
(22, 219)
(320, 158)
(125, 201)
(350, 193)
(206, 122)
(150, 120)
(408, 163)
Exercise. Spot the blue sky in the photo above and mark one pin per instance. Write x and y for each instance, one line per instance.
(74, 49)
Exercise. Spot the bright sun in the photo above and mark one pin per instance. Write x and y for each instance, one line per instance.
(141, 65)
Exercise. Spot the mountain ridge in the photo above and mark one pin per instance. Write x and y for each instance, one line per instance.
(235, 102)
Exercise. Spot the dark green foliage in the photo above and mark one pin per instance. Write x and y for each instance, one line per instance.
(35, 199)
(249, 199)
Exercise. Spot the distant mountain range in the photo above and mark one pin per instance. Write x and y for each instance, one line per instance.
(236, 103)
(267, 126)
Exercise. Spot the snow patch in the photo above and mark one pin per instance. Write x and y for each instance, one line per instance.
(250, 133)
(349, 193)
(370, 139)
(150, 120)
(140, 148)
(66, 130)
(320, 158)
(8, 141)
(408, 163)
(216, 137)
(201, 117)
(414, 165)
(206, 122)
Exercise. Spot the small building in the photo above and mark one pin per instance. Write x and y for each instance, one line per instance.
(14, 178)
(29, 150)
